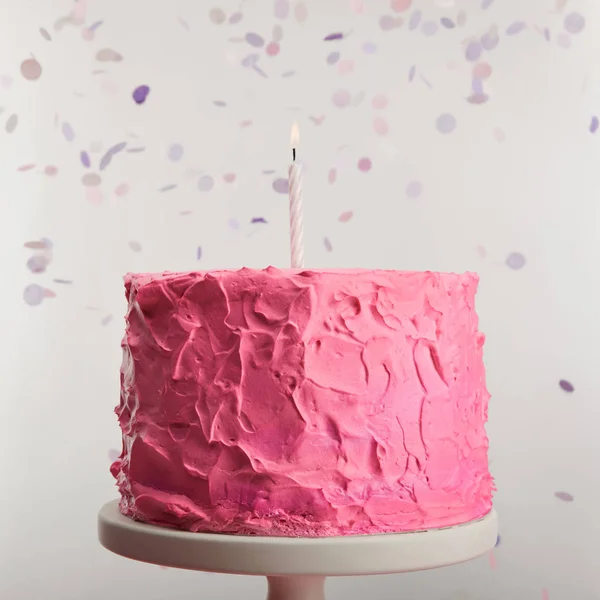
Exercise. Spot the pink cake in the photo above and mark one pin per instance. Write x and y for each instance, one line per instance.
(303, 403)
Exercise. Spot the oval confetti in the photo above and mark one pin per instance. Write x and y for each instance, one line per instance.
(33, 294)
(414, 189)
(445, 123)
(332, 58)
(121, 190)
(594, 125)
(489, 41)
(515, 28)
(331, 176)
(461, 18)
(365, 164)
(300, 12)
(91, 180)
(485, 4)
(281, 186)
(478, 98)
(341, 98)
(327, 245)
(236, 17)
(272, 49)
(369, 48)
(333, 36)
(85, 159)
(379, 101)
(254, 40)
(140, 94)
(206, 183)
(447, 23)
(31, 69)
(564, 496)
(473, 51)
(45, 34)
(567, 386)
(38, 263)
(282, 9)
(11, 123)
(380, 126)
(482, 70)
(106, 320)
(108, 55)
(414, 20)
(217, 16)
(411, 73)
(68, 132)
(277, 34)
(387, 23)
(135, 246)
(229, 177)
(515, 261)
(574, 23)
(345, 216)
(50, 170)
(175, 152)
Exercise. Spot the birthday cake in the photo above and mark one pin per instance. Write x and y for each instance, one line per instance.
(303, 402)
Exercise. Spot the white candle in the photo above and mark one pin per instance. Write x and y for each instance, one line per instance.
(295, 191)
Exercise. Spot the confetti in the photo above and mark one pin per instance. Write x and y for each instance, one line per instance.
(31, 69)
(45, 34)
(300, 12)
(108, 55)
(277, 34)
(365, 164)
(379, 101)
(492, 559)
(95, 25)
(167, 188)
(482, 70)
(233, 223)
(477, 98)
(447, 23)
(317, 120)
(38, 263)
(217, 16)
(574, 23)
(346, 66)
(183, 23)
(546, 34)
(121, 190)
(259, 220)
(565, 385)
(481, 251)
(250, 60)
(341, 98)
(327, 244)
(489, 41)
(85, 159)
(229, 177)
(414, 189)
(108, 155)
(135, 246)
(206, 183)
(94, 195)
(87, 34)
(563, 40)
(140, 94)
(414, 20)
(33, 294)
(281, 186)
(198, 252)
(236, 17)
(106, 320)
(445, 123)
(332, 58)
(11, 123)
(498, 540)
(380, 126)
(477, 86)
(281, 9)
(485, 4)
(258, 70)
(594, 124)
(515, 28)
(345, 216)
(400, 5)
(63, 281)
(515, 260)
(545, 595)
(91, 180)
(473, 51)
(288, 73)
(254, 40)
(175, 152)
(24, 168)
(42, 244)
(136, 150)
(333, 36)
(461, 18)
(429, 28)
(331, 176)
(272, 49)
(68, 132)
(564, 496)
(387, 23)
(369, 48)
(411, 73)
(219, 103)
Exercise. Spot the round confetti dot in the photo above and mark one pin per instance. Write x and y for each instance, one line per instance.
(121, 190)
(380, 126)
(345, 216)
(365, 164)
(369, 48)
(341, 98)
(38, 263)
(489, 41)
(31, 69)
(345, 66)
(206, 183)
(379, 101)
(175, 152)
(332, 58)
(473, 51)
(140, 94)
(281, 186)
(574, 23)
(91, 180)
(565, 385)
(477, 86)
(414, 20)
(50, 170)
(387, 23)
(135, 246)
(272, 49)
(217, 16)
(429, 28)
(564, 496)
(515, 260)
(229, 177)
(94, 195)
(254, 40)
(357, 6)
(482, 70)
(11, 123)
(594, 124)
(414, 189)
(282, 9)
(400, 5)
(332, 176)
(33, 294)
(445, 123)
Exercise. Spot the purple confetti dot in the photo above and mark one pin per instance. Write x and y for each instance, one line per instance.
(198, 252)
(135, 246)
(234, 224)
(414, 189)
(68, 132)
(414, 21)
(445, 123)
(175, 152)
(564, 496)
(447, 23)
(281, 186)
(574, 23)
(369, 48)
(515, 261)
(206, 183)
(333, 36)
(140, 94)
(282, 9)
(106, 320)
(546, 34)
(332, 58)
(489, 41)
(33, 294)
(95, 25)
(498, 540)
(565, 385)
(429, 28)
(255, 40)
(250, 60)
(259, 220)
(594, 124)
(473, 51)
(411, 73)
(485, 4)
(38, 263)
(327, 244)
(85, 159)
(515, 28)
(477, 85)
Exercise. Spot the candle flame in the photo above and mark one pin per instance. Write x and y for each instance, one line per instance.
(295, 135)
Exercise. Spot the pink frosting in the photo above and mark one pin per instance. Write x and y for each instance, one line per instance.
(303, 403)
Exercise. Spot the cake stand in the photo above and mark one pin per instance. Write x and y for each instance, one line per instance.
(295, 567)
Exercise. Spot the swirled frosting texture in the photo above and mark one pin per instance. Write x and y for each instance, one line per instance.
(303, 403)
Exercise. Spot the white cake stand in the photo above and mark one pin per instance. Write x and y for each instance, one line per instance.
(295, 567)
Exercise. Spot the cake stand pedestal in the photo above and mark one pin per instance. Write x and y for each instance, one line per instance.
(295, 567)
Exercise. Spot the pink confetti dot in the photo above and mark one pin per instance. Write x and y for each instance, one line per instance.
(380, 126)
(387, 23)
(379, 101)
(281, 185)
(473, 51)
(229, 177)
(400, 5)
(445, 123)
(332, 175)
(272, 49)
(482, 70)
(300, 12)
(93, 195)
(365, 164)
(31, 69)
(414, 189)
(50, 170)
(345, 216)
(24, 168)
(481, 251)
(217, 16)
(345, 66)
(87, 34)
(341, 98)
(357, 6)
(282, 9)
(121, 190)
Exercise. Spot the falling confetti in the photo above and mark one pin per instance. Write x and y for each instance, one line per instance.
(515, 28)
(108, 55)
(63, 281)
(91, 180)
(414, 20)
(229, 177)
(414, 189)
(445, 123)
(234, 224)
(217, 16)
(369, 48)
(411, 73)
(447, 23)
(219, 103)
(492, 559)
(236, 17)
(365, 164)
(38, 263)
(121, 190)
(461, 18)
(345, 216)
(332, 58)
(380, 126)
(106, 320)
(564, 496)
(42, 244)
(429, 28)
(400, 5)
(545, 594)
(11, 123)
(331, 176)
(333, 36)
(254, 40)
(481, 251)
(45, 34)
(515, 261)
(68, 132)
(482, 70)
(485, 4)
(281, 186)
(206, 183)
(24, 168)
(85, 159)
(259, 220)
(387, 23)
(31, 69)
(341, 98)
(478, 98)
(250, 60)
(300, 12)
(272, 49)
(33, 294)
(567, 386)
(282, 9)
(498, 540)
(346, 66)
(574, 23)
(379, 102)
(327, 244)
(473, 51)
(140, 94)
(108, 155)
(594, 124)
(175, 152)
(135, 246)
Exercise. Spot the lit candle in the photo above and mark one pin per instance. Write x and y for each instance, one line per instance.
(295, 191)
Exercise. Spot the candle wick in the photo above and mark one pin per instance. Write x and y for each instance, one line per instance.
(294, 154)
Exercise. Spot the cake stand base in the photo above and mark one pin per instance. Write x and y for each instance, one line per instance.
(295, 567)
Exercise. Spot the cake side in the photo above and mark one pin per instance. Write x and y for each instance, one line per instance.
(308, 403)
